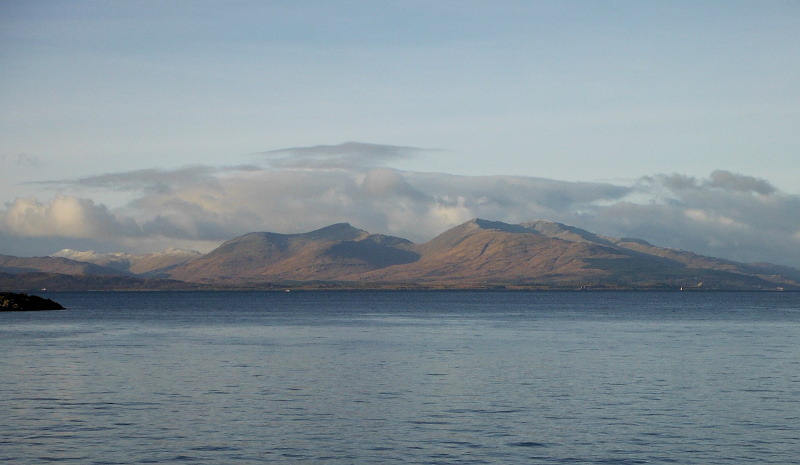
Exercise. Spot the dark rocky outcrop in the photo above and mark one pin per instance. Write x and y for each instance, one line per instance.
(10, 301)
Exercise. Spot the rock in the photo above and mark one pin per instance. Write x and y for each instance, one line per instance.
(10, 301)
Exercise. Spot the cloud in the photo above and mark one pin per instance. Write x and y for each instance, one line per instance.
(740, 183)
(65, 216)
(153, 180)
(385, 183)
(345, 155)
(726, 214)
(414, 205)
(718, 179)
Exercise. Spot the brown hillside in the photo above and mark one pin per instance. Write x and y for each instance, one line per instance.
(478, 253)
(330, 253)
(489, 251)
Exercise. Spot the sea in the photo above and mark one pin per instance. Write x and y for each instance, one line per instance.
(407, 377)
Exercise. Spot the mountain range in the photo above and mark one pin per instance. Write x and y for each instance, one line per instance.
(152, 265)
(477, 254)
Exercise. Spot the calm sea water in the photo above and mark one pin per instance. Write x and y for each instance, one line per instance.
(403, 377)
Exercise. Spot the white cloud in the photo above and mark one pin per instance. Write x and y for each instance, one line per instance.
(65, 216)
(386, 183)
(727, 215)
(697, 215)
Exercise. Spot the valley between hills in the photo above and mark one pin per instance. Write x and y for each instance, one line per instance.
(478, 254)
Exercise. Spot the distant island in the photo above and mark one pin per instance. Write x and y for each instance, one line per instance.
(478, 254)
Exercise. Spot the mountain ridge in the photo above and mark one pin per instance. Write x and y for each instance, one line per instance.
(324, 254)
(16, 265)
(479, 253)
(154, 264)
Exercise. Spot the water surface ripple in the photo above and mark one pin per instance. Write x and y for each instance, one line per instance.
(403, 377)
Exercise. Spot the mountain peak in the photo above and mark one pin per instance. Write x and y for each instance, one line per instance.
(147, 264)
(547, 225)
(478, 252)
(497, 225)
(563, 231)
(337, 232)
(327, 253)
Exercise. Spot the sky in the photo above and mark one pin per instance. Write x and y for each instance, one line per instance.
(141, 125)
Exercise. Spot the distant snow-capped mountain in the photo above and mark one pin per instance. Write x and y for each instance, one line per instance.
(154, 264)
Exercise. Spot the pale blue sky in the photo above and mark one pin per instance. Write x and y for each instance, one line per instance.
(584, 91)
